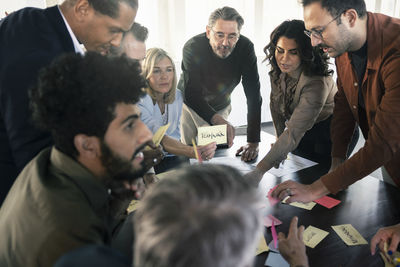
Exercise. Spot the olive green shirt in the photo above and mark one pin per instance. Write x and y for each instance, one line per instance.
(54, 206)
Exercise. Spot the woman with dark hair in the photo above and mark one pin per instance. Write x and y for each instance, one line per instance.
(302, 96)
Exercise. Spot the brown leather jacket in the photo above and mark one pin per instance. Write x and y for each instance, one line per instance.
(381, 91)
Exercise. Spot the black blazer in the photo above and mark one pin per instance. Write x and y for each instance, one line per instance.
(29, 40)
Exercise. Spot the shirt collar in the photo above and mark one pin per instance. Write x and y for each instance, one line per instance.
(79, 48)
(91, 186)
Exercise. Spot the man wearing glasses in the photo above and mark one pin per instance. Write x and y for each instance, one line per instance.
(213, 64)
(366, 48)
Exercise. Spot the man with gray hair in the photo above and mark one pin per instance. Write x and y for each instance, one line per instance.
(205, 215)
(213, 64)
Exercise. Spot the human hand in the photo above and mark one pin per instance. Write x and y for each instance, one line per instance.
(152, 157)
(149, 179)
(390, 234)
(254, 177)
(300, 192)
(248, 152)
(219, 120)
(207, 152)
(292, 248)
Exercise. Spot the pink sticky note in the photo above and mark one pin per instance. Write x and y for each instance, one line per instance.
(274, 235)
(327, 202)
(269, 219)
(272, 200)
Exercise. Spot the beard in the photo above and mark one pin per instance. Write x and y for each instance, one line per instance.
(119, 170)
(222, 51)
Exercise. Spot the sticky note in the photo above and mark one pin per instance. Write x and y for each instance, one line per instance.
(158, 135)
(262, 246)
(327, 202)
(276, 259)
(271, 246)
(312, 236)
(349, 235)
(209, 134)
(306, 206)
(272, 200)
(269, 219)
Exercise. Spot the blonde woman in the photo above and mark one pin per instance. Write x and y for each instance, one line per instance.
(163, 104)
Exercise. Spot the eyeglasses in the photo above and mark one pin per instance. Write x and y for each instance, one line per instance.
(220, 36)
(318, 33)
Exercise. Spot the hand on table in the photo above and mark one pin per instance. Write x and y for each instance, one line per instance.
(219, 120)
(207, 152)
(300, 192)
(292, 247)
(390, 235)
(248, 152)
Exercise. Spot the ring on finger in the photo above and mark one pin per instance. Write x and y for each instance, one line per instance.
(288, 191)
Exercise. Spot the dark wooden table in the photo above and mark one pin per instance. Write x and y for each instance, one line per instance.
(367, 205)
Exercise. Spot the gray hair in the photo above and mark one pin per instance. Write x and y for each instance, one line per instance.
(225, 13)
(205, 215)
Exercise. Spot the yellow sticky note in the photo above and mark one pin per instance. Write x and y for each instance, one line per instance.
(159, 134)
(349, 235)
(262, 246)
(312, 236)
(306, 206)
(133, 205)
(209, 134)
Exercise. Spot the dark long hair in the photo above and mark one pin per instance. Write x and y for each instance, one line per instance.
(313, 60)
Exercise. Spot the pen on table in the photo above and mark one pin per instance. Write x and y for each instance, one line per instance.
(196, 153)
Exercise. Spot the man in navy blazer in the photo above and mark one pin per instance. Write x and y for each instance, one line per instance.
(29, 40)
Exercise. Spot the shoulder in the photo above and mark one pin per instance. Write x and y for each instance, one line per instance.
(197, 42)
(146, 101)
(316, 82)
(178, 95)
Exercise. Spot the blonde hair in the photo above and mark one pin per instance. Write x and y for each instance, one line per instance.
(153, 56)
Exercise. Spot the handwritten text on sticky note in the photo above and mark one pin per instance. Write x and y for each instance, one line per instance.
(312, 236)
(208, 134)
(349, 235)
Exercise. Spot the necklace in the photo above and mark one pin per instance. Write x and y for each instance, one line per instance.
(165, 115)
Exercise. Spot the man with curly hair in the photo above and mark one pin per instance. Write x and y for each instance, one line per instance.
(69, 194)
(30, 39)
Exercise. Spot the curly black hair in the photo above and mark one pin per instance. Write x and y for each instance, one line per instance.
(78, 94)
(313, 60)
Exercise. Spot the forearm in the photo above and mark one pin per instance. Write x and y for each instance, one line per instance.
(175, 147)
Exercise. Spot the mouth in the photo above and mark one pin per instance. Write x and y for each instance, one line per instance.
(284, 66)
(164, 84)
(138, 155)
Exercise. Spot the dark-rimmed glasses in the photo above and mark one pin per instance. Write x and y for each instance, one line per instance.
(318, 33)
(220, 36)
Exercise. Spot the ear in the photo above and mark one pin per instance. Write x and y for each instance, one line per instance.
(351, 17)
(87, 146)
(82, 10)
(208, 31)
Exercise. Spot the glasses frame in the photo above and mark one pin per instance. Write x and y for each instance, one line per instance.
(318, 33)
(231, 39)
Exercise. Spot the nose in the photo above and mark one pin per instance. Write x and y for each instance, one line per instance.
(315, 41)
(225, 41)
(145, 134)
(116, 41)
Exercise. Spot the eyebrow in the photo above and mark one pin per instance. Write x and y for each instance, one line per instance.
(131, 117)
(290, 50)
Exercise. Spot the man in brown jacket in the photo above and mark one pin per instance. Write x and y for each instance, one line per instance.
(69, 195)
(367, 51)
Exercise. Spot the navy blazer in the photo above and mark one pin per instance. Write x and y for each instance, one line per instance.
(29, 40)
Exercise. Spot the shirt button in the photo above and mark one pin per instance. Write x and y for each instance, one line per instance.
(355, 84)
(354, 107)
